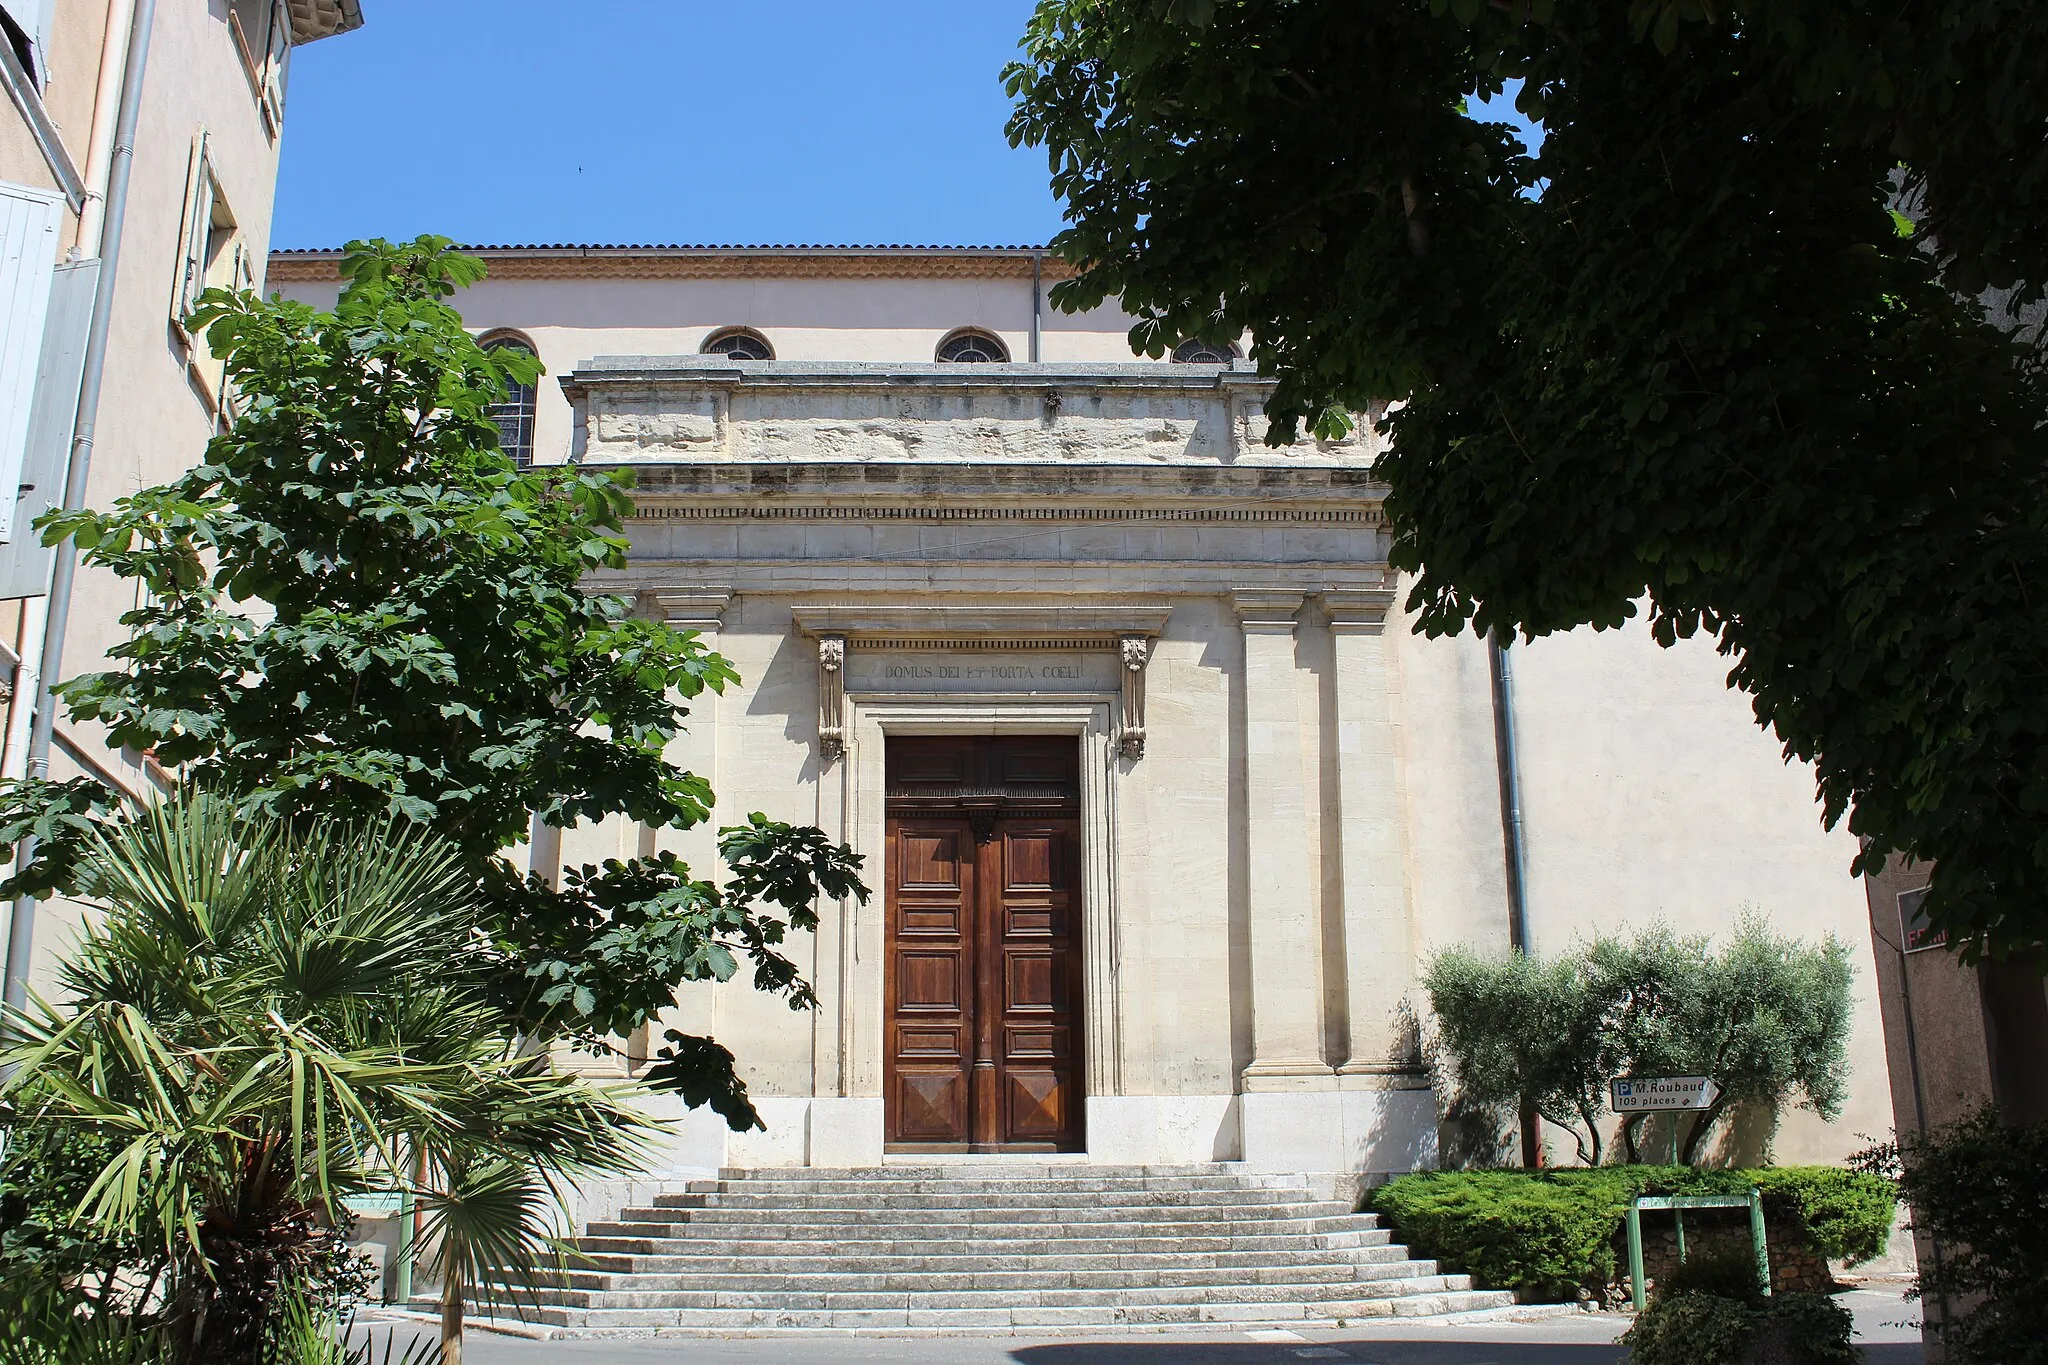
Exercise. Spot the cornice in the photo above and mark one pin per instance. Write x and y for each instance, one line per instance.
(637, 375)
(982, 625)
(716, 263)
(958, 491)
(1371, 516)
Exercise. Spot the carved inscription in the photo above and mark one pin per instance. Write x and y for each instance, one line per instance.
(965, 671)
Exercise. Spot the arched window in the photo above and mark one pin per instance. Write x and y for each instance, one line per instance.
(1204, 353)
(737, 343)
(514, 415)
(969, 346)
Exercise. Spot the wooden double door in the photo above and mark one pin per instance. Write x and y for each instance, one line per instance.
(982, 1048)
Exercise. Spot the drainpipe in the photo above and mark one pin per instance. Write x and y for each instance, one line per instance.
(1037, 303)
(1510, 775)
(21, 939)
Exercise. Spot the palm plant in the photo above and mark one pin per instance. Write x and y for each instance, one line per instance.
(264, 1018)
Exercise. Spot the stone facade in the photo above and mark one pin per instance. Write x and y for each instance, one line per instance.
(1288, 799)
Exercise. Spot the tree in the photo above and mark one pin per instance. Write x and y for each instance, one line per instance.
(1711, 355)
(262, 1018)
(356, 607)
(1766, 1017)
(1526, 1034)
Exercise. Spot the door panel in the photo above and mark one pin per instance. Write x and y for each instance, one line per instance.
(930, 980)
(983, 1030)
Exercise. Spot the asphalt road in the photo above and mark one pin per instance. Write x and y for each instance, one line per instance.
(1886, 1325)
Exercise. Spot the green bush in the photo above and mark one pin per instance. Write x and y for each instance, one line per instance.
(1706, 1329)
(1979, 1190)
(1546, 1234)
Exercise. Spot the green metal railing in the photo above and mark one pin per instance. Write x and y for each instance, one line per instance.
(1678, 1204)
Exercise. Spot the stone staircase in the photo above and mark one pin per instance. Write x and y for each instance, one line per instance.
(943, 1250)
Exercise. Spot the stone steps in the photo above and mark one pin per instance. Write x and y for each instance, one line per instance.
(982, 1248)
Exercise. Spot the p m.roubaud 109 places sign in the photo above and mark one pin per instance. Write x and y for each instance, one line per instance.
(1649, 1093)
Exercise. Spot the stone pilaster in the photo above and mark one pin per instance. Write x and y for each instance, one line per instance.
(1378, 954)
(1285, 933)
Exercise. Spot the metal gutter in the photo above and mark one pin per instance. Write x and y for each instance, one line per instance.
(1510, 773)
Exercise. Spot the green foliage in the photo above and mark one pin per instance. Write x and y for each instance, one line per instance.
(357, 608)
(1542, 1237)
(1681, 361)
(1729, 1275)
(1525, 1032)
(262, 1018)
(1696, 1328)
(1847, 1213)
(1979, 1189)
(1767, 1017)
(1550, 1233)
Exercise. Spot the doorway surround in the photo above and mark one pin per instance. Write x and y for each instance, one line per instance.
(1095, 704)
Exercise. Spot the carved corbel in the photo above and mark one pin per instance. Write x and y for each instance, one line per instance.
(831, 697)
(1133, 652)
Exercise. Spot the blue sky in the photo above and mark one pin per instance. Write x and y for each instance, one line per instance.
(663, 121)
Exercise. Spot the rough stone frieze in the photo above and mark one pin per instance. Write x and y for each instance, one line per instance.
(785, 414)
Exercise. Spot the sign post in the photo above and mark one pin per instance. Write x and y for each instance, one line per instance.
(1663, 1094)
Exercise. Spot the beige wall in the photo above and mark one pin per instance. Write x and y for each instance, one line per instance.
(154, 418)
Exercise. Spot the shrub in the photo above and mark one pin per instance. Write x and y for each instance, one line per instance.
(1729, 1275)
(1980, 1189)
(1706, 1329)
(1547, 1234)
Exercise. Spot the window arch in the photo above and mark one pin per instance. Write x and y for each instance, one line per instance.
(514, 413)
(972, 346)
(1193, 352)
(737, 343)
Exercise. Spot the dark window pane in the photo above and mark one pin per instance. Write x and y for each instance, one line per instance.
(514, 415)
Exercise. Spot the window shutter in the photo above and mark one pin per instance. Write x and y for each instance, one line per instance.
(28, 259)
(24, 559)
(198, 225)
(33, 18)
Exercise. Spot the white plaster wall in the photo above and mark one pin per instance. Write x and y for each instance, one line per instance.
(1650, 794)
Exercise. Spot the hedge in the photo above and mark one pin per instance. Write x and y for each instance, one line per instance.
(1549, 1233)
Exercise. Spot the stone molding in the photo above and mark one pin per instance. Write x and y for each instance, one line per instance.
(1133, 651)
(981, 625)
(1128, 628)
(1358, 610)
(1298, 516)
(716, 263)
(692, 608)
(831, 698)
(1267, 611)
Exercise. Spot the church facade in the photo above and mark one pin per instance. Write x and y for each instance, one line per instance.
(1163, 803)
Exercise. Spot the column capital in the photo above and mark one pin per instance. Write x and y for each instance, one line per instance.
(1267, 611)
(1358, 610)
(699, 607)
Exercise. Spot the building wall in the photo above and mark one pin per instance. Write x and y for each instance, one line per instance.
(1650, 795)
(155, 412)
